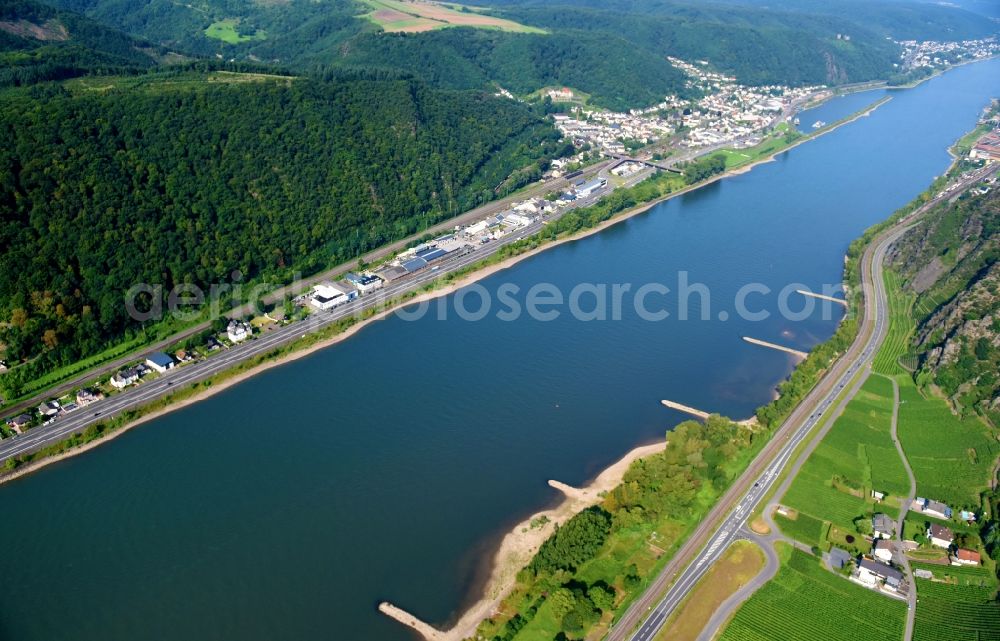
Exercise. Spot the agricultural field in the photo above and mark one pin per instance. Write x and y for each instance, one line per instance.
(855, 457)
(951, 457)
(965, 609)
(901, 326)
(413, 16)
(801, 527)
(225, 30)
(805, 602)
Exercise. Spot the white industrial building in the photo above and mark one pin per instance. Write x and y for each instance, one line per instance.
(328, 295)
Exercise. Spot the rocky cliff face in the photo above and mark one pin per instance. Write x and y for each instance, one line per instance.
(950, 263)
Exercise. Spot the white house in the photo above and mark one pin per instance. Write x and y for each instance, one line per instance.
(86, 397)
(882, 550)
(125, 377)
(873, 574)
(365, 283)
(159, 362)
(49, 409)
(940, 536)
(937, 509)
(238, 331)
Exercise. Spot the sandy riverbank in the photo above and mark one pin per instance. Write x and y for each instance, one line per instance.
(519, 546)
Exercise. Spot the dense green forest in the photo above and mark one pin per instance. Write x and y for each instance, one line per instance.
(609, 68)
(614, 50)
(182, 178)
(40, 43)
(757, 46)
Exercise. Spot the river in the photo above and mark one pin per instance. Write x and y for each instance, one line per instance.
(387, 466)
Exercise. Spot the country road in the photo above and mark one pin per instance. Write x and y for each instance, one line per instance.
(723, 524)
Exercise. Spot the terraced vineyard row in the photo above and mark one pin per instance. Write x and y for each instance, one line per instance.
(956, 613)
(804, 602)
(897, 341)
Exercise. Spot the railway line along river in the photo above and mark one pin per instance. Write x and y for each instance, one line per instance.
(389, 466)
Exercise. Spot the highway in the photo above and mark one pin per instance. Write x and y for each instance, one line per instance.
(133, 397)
(723, 525)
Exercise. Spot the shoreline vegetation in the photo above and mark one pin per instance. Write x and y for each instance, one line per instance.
(518, 545)
(106, 430)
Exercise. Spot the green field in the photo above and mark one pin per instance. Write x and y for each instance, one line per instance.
(901, 326)
(225, 30)
(739, 157)
(856, 456)
(951, 457)
(966, 610)
(804, 528)
(804, 602)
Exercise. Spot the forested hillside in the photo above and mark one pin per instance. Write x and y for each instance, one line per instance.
(184, 177)
(609, 68)
(950, 264)
(40, 43)
(614, 50)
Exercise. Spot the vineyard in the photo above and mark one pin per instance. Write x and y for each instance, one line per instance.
(856, 456)
(951, 457)
(804, 602)
(803, 528)
(956, 613)
(901, 325)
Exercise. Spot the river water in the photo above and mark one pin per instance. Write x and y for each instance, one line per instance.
(386, 467)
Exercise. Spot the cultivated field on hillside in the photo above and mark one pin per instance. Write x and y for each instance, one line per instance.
(408, 16)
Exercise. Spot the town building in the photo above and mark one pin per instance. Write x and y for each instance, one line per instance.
(389, 273)
(963, 556)
(838, 558)
(328, 295)
(883, 550)
(364, 283)
(48, 409)
(86, 397)
(882, 526)
(125, 377)
(19, 422)
(940, 536)
(988, 148)
(238, 331)
(877, 575)
(159, 362)
(937, 509)
(589, 188)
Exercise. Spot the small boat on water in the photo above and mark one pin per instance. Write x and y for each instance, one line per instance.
(818, 124)
(796, 122)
